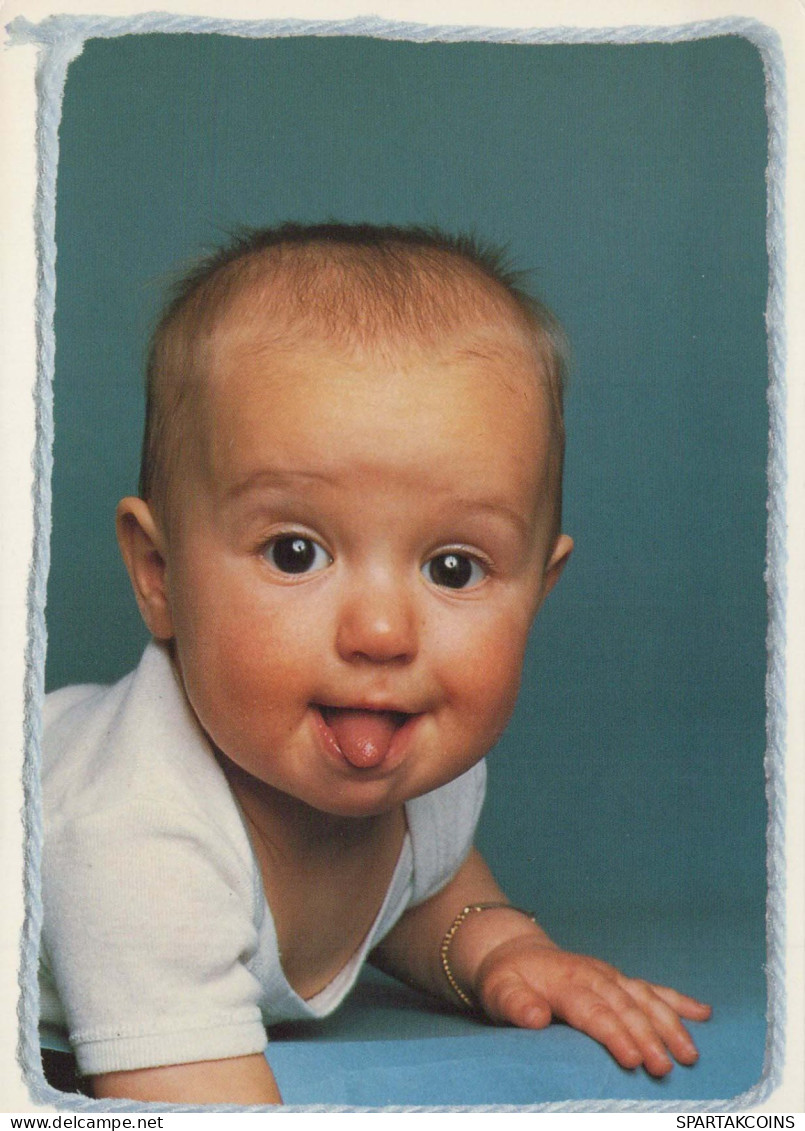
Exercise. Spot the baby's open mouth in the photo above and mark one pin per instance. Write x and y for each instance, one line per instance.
(363, 736)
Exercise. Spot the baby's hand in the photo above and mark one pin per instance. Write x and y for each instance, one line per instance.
(526, 983)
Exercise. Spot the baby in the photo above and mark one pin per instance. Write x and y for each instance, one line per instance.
(349, 517)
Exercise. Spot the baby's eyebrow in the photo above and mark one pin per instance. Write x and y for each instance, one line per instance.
(267, 478)
(496, 510)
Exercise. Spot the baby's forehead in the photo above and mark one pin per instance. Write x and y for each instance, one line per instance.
(269, 326)
(486, 369)
(494, 355)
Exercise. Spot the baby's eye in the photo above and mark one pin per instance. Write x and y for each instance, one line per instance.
(454, 571)
(295, 553)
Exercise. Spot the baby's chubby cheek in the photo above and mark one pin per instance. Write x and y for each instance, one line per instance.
(483, 686)
(225, 680)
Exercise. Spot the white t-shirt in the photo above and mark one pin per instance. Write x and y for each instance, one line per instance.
(158, 945)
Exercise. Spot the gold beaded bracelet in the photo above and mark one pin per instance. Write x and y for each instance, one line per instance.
(450, 935)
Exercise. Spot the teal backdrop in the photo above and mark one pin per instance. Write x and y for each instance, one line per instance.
(626, 801)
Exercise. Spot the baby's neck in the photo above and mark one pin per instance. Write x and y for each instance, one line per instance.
(325, 877)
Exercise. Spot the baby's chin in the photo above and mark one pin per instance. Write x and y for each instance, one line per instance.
(317, 803)
(345, 808)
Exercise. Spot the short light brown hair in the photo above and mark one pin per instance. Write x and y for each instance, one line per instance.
(355, 284)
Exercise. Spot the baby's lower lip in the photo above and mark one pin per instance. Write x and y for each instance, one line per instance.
(363, 738)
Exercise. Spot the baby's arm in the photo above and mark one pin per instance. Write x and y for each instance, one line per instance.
(507, 963)
(237, 1080)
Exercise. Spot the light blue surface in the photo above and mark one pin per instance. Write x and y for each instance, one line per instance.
(508, 1067)
(388, 1047)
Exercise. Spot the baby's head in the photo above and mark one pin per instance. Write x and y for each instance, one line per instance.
(350, 504)
(357, 287)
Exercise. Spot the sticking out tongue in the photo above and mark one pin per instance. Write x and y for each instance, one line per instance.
(363, 736)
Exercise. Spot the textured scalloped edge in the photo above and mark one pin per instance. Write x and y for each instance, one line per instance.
(61, 39)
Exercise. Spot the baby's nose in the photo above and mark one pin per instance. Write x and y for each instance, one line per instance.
(377, 622)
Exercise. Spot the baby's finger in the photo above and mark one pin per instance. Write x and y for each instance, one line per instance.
(654, 1027)
(664, 1020)
(591, 1014)
(683, 1005)
(509, 999)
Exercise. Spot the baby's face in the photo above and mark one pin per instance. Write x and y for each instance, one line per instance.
(362, 547)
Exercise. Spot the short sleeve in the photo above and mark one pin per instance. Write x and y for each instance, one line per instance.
(149, 926)
(442, 826)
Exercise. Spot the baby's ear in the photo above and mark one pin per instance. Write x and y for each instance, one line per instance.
(563, 548)
(143, 548)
